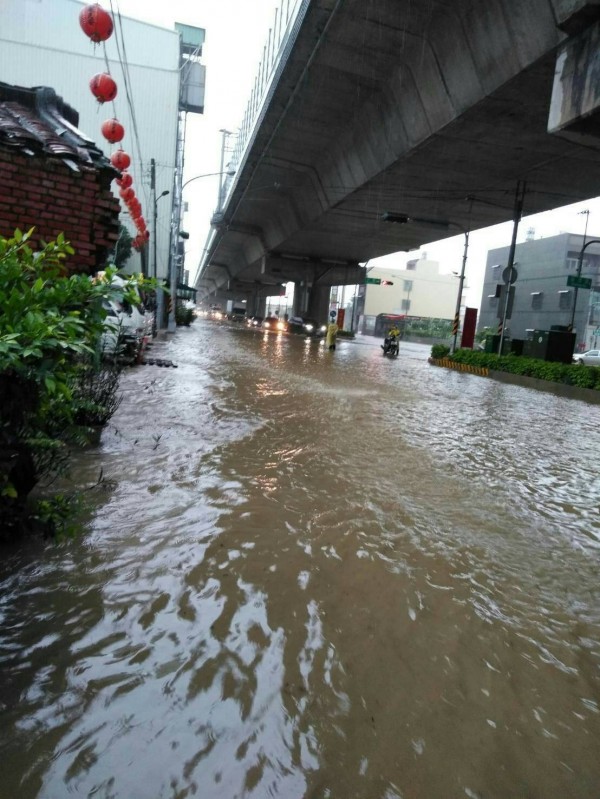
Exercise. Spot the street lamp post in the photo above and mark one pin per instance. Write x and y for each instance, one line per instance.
(158, 320)
(579, 267)
(172, 321)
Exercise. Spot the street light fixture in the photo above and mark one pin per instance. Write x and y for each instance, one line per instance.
(444, 224)
(207, 175)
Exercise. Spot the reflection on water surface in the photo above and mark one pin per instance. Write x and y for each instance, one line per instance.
(335, 576)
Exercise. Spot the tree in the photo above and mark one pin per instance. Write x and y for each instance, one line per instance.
(123, 248)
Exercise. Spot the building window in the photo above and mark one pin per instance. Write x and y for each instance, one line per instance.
(411, 266)
(564, 300)
(405, 305)
(492, 301)
(572, 264)
(537, 299)
(408, 285)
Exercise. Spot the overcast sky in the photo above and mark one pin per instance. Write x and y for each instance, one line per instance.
(236, 31)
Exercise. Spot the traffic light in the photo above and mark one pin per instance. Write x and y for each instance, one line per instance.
(387, 282)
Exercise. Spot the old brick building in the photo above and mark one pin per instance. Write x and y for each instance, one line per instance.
(53, 178)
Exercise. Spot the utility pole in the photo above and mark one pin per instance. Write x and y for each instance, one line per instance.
(158, 320)
(579, 267)
(518, 211)
(153, 273)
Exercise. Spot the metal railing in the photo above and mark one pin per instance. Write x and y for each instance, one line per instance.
(282, 35)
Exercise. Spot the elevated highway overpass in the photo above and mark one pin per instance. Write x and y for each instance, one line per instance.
(431, 110)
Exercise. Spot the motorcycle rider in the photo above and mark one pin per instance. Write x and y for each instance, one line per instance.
(392, 337)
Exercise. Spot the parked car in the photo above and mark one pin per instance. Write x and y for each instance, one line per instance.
(120, 336)
(589, 358)
(305, 327)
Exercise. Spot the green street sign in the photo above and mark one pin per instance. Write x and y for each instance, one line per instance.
(579, 282)
(374, 280)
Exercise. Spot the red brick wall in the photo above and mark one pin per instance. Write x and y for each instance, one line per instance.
(44, 193)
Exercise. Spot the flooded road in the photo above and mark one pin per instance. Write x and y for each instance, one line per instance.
(323, 575)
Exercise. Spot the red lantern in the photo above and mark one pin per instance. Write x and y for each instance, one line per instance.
(127, 194)
(96, 23)
(103, 87)
(146, 234)
(120, 160)
(125, 180)
(113, 131)
(141, 224)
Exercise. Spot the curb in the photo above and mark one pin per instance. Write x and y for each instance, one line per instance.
(482, 371)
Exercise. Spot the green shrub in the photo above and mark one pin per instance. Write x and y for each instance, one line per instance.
(440, 351)
(184, 316)
(570, 374)
(50, 328)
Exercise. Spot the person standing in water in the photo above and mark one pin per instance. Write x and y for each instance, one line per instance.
(332, 331)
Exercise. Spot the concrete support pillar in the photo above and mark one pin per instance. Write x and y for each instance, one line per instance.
(258, 305)
(318, 303)
(301, 292)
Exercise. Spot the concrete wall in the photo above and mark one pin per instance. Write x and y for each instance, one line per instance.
(41, 44)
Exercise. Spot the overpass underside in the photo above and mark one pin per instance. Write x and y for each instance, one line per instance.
(431, 110)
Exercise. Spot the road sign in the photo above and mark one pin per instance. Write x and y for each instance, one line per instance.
(579, 282)
(509, 274)
(374, 280)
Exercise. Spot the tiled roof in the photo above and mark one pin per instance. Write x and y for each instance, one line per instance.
(37, 122)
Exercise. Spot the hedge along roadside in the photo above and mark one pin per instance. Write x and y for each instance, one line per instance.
(50, 323)
(569, 374)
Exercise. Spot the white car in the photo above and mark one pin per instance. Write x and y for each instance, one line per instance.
(121, 334)
(589, 358)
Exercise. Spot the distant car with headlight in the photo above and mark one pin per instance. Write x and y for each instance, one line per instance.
(305, 327)
(273, 323)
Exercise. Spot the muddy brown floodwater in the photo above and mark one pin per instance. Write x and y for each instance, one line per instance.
(324, 575)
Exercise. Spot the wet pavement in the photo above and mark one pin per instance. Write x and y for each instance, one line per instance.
(314, 574)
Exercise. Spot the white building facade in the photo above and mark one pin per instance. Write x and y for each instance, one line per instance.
(42, 44)
(418, 290)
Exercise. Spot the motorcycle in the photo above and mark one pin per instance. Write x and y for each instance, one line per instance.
(391, 346)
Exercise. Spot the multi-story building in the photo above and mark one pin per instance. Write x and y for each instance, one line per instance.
(43, 45)
(418, 291)
(543, 298)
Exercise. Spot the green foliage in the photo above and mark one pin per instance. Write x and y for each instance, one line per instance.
(440, 351)
(345, 334)
(123, 248)
(484, 333)
(428, 328)
(184, 316)
(570, 374)
(50, 326)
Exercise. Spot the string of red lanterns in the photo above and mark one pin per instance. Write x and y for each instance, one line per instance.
(97, 24)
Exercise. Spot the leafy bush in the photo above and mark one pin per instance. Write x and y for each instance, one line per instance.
(440, 351)
(570, 374)
(184, 316)
(50, 328)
